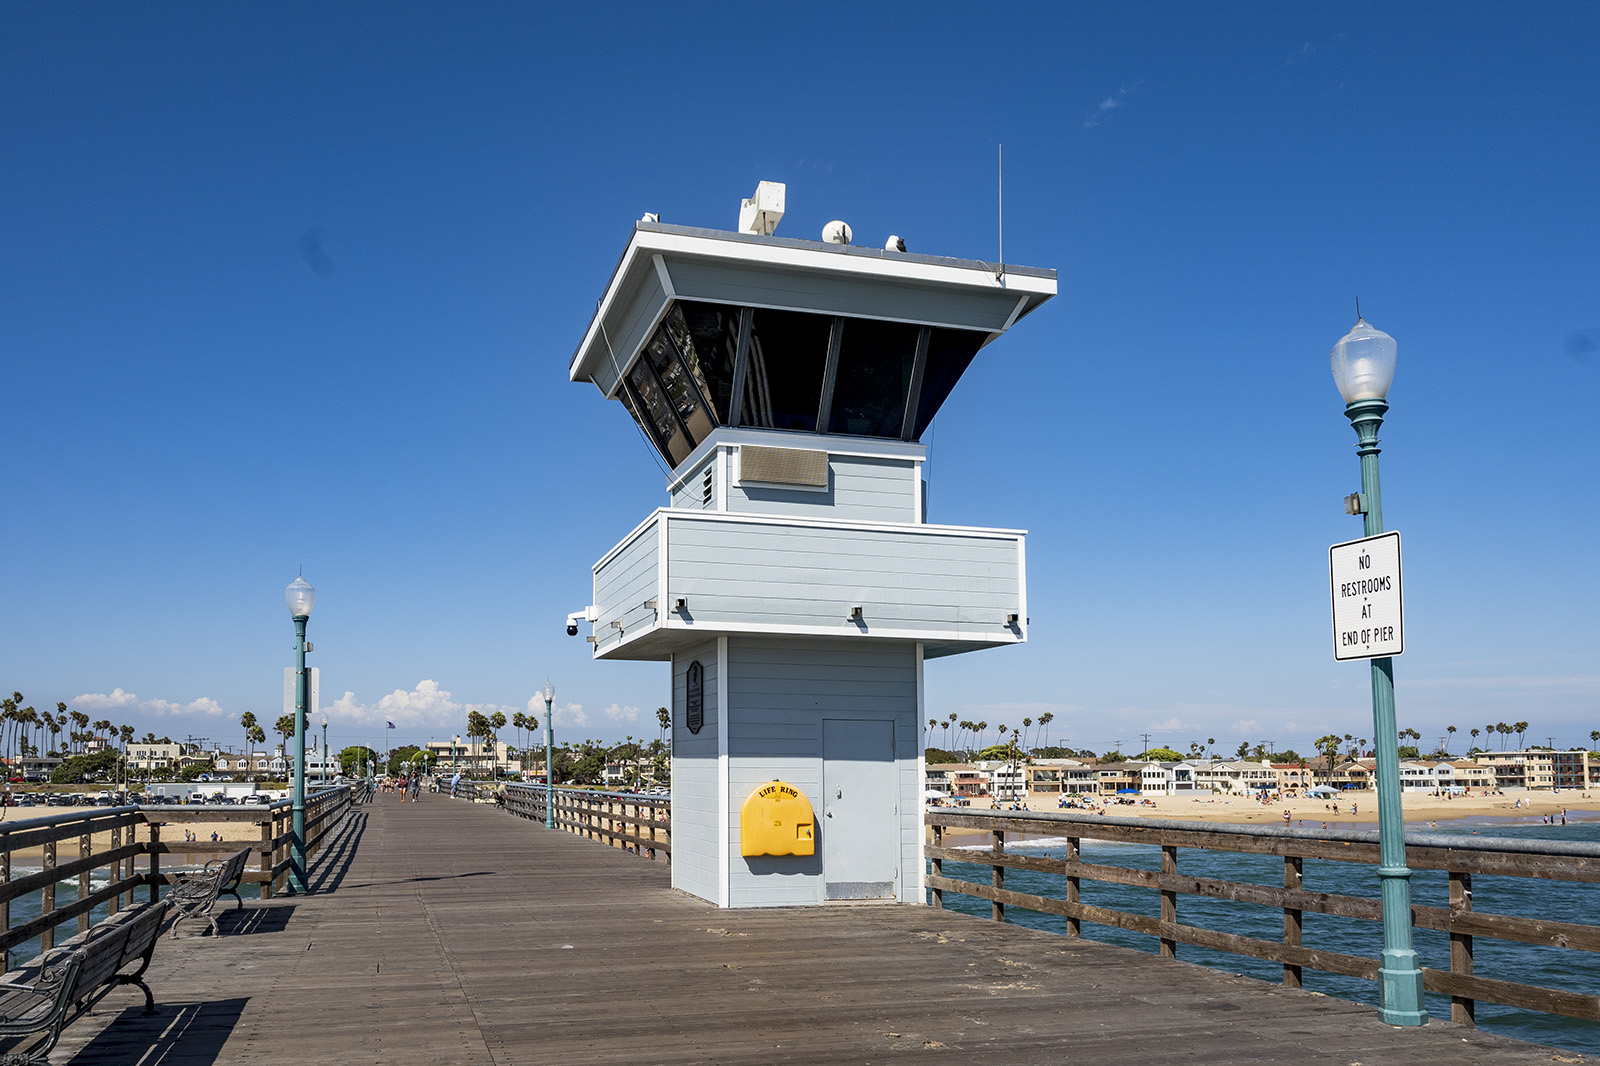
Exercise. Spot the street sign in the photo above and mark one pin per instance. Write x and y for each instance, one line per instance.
(1368, 619)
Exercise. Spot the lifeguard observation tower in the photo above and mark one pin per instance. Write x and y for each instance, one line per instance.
(793, 581)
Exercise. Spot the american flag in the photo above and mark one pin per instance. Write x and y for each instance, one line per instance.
(391, 725)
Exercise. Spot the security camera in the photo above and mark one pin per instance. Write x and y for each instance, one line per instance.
(588, 614)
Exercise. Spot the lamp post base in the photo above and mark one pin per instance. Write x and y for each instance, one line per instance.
(1400, 988)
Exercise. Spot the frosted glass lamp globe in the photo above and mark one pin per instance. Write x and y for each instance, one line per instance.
(1363, 363)
(300, 596)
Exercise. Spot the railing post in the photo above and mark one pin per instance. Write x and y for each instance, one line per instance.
(266, 857)
(5, 908)
(1293, 877)
(997, 910)
(1462, 1009)
(938, 867)
(1074, 885)
(1169, 899)
(116, 868)
(155, 859)
(84, 851)
(47, 899)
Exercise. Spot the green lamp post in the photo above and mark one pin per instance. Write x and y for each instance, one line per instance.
(323, 776)
(549, 695)
(300, 595)
(1363, 367)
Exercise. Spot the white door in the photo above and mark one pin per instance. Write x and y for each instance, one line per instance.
(860, 819)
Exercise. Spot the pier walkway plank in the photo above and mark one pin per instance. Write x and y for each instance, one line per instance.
(442, 932)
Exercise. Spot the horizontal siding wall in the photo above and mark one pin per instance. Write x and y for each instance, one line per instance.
(691, 494)
(860, 489)
(695, 781)
(804, 575)
(623, 585)
(779, 692)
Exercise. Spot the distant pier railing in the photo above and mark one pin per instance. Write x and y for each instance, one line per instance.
(63, 848)
(1461, 858)
(640, 824)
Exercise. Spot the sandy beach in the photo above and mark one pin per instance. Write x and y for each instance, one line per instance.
(235, 833)
(1356, 810)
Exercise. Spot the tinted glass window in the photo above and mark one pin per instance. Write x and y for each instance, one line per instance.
(658, 411)
(783, 385)
(869, 389)
(713, 332)
(665, 352)
(950, 352)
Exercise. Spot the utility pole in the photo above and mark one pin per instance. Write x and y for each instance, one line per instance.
(1146, 738)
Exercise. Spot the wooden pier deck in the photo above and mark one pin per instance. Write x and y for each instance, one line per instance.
(447, 933)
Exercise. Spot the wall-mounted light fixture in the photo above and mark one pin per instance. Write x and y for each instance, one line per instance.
(854, 615)
(680, 605)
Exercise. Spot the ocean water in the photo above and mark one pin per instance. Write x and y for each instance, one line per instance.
(1552, 967)
(26, 908)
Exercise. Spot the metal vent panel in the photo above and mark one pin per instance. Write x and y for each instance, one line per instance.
(783, 466)
(860, 890)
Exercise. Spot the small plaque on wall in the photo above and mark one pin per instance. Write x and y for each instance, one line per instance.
(695, 697)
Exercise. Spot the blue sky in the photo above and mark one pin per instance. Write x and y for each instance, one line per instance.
(290, 286)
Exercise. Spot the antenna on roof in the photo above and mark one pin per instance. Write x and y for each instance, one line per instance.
(1000, 180)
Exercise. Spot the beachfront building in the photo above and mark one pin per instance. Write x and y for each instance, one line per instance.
(792, 580)
(1293, 776)
(1005, 780)
(1541, 768)
(148, 757)
(473, 758)
(1465, 775)
(626, 773)
(1350, 775)
(956, 779)
(1051, 779)
(1234, 777)
(238, 765)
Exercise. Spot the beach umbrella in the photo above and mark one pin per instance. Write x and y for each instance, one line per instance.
(1127, 791)
(1320, 790)
(933, 794)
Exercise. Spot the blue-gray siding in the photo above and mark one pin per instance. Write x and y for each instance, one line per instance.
(695, 783)
(779, 692)
(759, 573)
(860, 489)
(623, 586)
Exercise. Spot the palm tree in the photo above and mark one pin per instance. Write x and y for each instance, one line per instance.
(1474, 737)
(1519, 728)
(1452, 731)
(1594, 736)
(1504, 731)
(80, 720)
(247, 722)
(1044, 728)
(982, 726)
(1026, 723)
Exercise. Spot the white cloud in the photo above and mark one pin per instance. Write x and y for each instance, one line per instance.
(1173, 723)
(126, 703)
(104, 701)
(1247, 726)
(1107, 105)
(621, 715)
(572, 715)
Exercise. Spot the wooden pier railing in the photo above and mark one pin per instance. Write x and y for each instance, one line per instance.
(63, 847)
(640, 824)
(1460, 857)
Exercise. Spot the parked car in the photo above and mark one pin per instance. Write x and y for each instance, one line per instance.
(255, 798)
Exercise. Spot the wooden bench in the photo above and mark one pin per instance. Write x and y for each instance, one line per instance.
(55, 989)
(195, 895)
